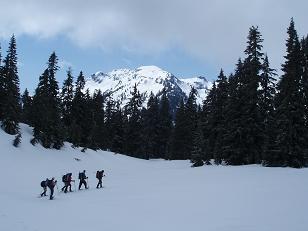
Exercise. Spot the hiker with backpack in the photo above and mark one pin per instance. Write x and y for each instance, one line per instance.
(82, 179)
(64, 182)
(67, 179)
(99, 176)
(44, 186)
(51, 184)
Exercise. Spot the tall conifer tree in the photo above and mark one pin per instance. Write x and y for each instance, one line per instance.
(151, 128)
(266, 104)
(79, 113)
(251, 82)
(11, 99)
(133, 136)
(67, 95)
(290, 144)
(117, 144)
(198, 147)
(165, 126)
(48, 129)
(26, 108)
(234, 138)
(179, 149)
(98, 119)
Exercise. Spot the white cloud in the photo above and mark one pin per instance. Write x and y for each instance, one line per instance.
(64, 64)
(213, 30)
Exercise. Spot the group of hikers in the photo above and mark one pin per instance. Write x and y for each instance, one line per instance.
(67, 179)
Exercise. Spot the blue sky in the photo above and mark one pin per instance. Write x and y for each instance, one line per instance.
(186, 37)
(33, 54)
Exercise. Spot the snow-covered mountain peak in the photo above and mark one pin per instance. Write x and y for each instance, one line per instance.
(119, 84)
(152, 72)
(149, 68)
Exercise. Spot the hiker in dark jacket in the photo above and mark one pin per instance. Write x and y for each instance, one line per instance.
(82, 177)
(44, 186)
(64, 180)
(99, 176)
(68, 182)
(67, 179)
(51, 184)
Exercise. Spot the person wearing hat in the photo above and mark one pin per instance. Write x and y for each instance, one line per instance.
(82, 179)
(99, 176)
(44, 186)
(51, 184)
(67, 182)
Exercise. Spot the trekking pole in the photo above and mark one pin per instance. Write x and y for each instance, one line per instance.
(40, 195)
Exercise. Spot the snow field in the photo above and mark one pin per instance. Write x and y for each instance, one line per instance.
(145, 195)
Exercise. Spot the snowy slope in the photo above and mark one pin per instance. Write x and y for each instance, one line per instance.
(119, 83)
(144, 195)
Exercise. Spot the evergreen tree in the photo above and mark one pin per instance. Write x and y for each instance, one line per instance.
(208, 119)
(242, 139)
(233, 148)
(191, 114)
(179, 149)
(266, 104)
(117, 144)
(267, 91)
(251, 82)
(290, 144)
(214, 112)
(133, 135)
(98, 121)
(109, 122)
(185, 125)
(79, 114)
(17, 140)
(39, 111)
(11, 107)
(151, 128)
(220, 110)
(164, 126)
(26, 108)
(56, 128)
(88, 124)
(197, 149)
(67, 95)
(304, 82)
(47, 124)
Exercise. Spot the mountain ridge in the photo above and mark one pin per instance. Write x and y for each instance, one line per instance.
(119, 84)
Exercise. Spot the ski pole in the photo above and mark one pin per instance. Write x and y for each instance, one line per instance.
(40, 195)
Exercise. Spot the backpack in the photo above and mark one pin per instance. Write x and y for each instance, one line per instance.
(98, 174)
(80, 176)
(49, 184)
(43, 184)
(68, 178)
(64, 178)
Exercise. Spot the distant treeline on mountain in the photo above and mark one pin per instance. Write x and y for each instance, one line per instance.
(249, 117)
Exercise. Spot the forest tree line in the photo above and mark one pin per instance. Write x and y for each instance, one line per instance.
(251, 116)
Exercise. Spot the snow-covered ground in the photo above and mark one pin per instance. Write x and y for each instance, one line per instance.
(146, 195)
